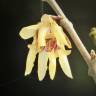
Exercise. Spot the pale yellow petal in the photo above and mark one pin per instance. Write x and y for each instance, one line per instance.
(29, 31)
(42, 35)
(64, 51)
(46, 19)
(42, 65)
(56, 53)
(59, 34)
(68, 41)
(30, 59)
(63, 60)
(52, 65)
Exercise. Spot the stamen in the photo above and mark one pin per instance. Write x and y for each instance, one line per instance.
(51, 44)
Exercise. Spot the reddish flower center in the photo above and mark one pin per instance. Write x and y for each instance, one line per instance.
(51, 44)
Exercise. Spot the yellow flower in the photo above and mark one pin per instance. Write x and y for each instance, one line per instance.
(49, 41)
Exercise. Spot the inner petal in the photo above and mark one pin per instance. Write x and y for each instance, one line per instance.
(51, 44)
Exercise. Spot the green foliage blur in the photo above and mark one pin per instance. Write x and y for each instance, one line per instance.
(93, 35)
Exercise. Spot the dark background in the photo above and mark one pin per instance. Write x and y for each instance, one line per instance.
(15, 14)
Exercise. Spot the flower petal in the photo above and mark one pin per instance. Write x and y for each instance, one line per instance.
(28, 32)
(30, 59)
(42, 35)
(68, 41)
(46, 19)
(42, 65)
(59, 34)
(65, 64)
(63, 50)
(52, 65)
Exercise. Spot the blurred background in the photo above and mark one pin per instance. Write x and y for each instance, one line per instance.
(15, 14)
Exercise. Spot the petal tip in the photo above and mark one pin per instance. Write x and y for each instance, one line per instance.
(26, 73)
(52, 78)
(21, 34)
(40, 79)
(71, 77)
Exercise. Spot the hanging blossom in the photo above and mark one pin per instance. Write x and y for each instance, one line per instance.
(49, 41)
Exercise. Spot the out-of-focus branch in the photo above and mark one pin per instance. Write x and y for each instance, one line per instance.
(93, 35)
